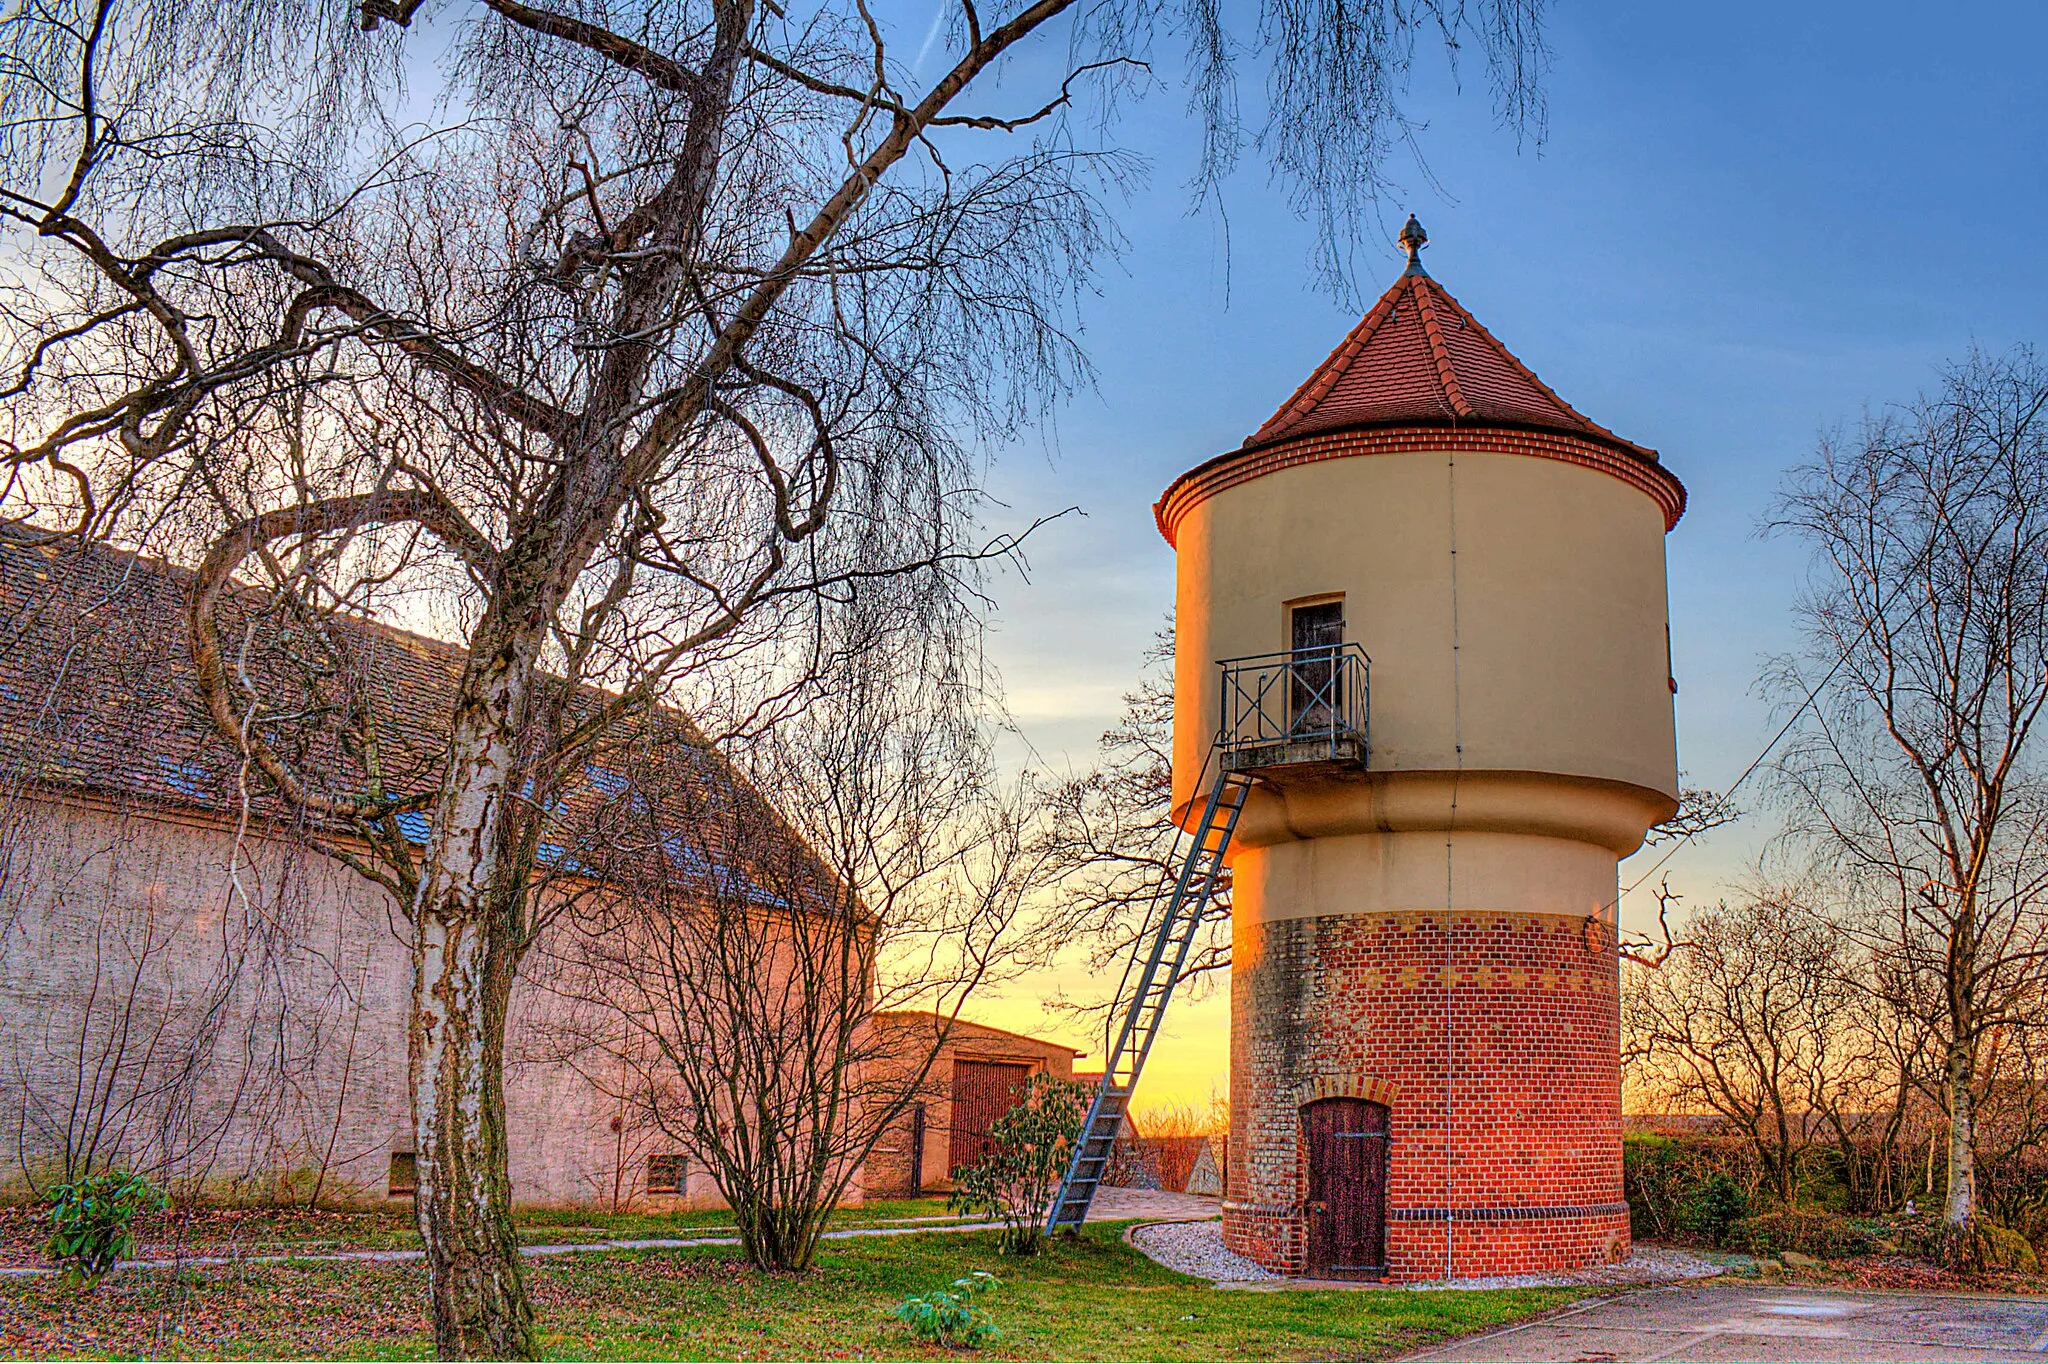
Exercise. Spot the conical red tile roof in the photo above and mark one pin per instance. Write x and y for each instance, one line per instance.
(1417, 364)
(1419, 359)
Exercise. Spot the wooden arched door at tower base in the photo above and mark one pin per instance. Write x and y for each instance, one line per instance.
(1346, 1143)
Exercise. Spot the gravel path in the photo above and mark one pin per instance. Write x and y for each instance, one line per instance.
(578, 1248)
(1197, 1248)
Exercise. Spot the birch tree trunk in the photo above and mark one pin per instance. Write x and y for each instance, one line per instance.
(468, 934)
(462, 977)
(1959, 1208)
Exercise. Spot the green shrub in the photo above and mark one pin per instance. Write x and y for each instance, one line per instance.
(1028, 1150)
(1662, 1177)
(1712, 1207)
(90, 1218)
(2005, 1248)
(948, 1316)
(2031, 1221)
(1809, 1231)
(1647, 1166)
(1987, 1245)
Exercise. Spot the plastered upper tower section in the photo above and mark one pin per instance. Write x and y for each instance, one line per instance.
(1498, 555)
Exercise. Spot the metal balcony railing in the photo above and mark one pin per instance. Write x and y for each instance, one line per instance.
(1300, 706)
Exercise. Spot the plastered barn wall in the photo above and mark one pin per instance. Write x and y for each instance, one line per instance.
(266, 1042)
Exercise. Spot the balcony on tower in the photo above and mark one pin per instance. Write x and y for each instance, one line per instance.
(1296, 709)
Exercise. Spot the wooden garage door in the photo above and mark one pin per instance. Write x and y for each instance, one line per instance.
(982, 1092)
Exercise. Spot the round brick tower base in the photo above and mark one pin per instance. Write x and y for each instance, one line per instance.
(1494, 1047)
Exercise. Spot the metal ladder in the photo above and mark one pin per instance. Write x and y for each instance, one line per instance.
(1201, 865)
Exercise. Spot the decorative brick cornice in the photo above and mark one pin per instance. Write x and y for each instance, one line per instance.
(1342, 1087)
(1512, 1214)
(1243, 465)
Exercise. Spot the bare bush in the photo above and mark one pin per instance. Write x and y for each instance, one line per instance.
(733, 983)
(1754, 1018)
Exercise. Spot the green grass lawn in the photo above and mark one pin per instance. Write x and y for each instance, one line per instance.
(1095, 1299)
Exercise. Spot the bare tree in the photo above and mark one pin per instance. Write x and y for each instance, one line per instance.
(1753, 1017)
(2012, 1126)
(679, 313)
(743, 984)
(1916, 778)
(1901, 1082)
(1110, 839)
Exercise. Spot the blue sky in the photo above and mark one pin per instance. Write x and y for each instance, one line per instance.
(1747, 223)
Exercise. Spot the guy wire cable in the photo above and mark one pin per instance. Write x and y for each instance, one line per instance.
(1757, 762)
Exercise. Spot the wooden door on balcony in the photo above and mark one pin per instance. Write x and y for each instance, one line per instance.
(1347, 1188)
(982, 1092)
(1312, 686)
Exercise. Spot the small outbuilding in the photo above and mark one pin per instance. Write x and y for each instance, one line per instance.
(977, 1074)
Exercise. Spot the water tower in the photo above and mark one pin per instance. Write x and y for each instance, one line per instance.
(1424, 608)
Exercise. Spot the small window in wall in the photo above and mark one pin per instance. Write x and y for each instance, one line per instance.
(665, 1174)
(404, 1179)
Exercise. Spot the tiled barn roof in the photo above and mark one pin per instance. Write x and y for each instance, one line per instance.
(1419, 359)
(97, 696)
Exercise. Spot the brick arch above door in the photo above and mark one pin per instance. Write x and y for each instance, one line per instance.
(1342, 1087)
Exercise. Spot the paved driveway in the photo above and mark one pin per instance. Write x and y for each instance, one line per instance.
(1726, 1321)
(1114, 1203)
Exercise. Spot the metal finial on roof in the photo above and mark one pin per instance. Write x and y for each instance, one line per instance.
(1414, 239)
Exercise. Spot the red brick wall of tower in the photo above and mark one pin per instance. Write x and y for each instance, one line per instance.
(1495, 1045)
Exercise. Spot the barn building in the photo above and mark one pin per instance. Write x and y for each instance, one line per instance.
(193, 983)
(1424, 605)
